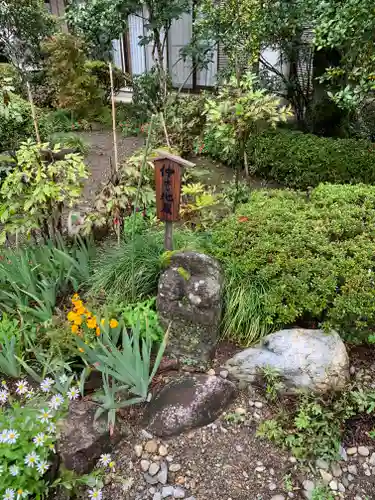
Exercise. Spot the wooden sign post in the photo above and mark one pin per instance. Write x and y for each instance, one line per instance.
(168, 174)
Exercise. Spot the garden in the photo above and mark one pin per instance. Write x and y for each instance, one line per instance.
(187, 280)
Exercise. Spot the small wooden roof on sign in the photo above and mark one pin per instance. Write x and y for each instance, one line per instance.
(164, 155)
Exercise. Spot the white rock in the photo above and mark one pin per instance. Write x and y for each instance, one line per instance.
(322, 464)
(307, 359)
(167, 491)
(145, 464)
(174, 467)
(336, 470)
(240, 411)
(211, 372)
(341, 488)
(163, 452)
(151, 446)
(333, 485)
(272, 486)
(352, 469)
(157, 496)
(352, 450)
(260, 469)
(239, 448)
(350, 477)
(258, 404)
(145, 434)
(138, 448)
(363, 451)
(178, 493)
(292, 460)
(367, 472)
(326, 476)
(153, 469)
(308, 485)
(224, 373)
(278, 497)
(372, 459)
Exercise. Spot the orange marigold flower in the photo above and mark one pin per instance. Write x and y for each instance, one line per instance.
(74, 329)
(113, 323)
(97, 331)
(71, 316)
(77, 303)
(78, 321)
(91, 323)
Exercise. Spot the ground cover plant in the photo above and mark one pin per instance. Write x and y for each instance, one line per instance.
(294, 259)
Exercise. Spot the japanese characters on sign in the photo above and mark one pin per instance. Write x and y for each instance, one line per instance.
(168, 189)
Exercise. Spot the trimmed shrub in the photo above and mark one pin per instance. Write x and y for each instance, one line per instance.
(300, 160)
(100, 70)
(293, 260)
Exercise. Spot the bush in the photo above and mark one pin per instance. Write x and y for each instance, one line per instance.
(76, 89)
(15, 123)
(301, 160)
(100, 71)
(300, 261)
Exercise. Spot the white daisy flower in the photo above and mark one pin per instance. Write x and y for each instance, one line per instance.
(56, 402)
(47, 384)
(42, 467)
(73, 393)
(105, 459)
(63, 379)
(31, 459)
(30, 393)
(39, 439)
(22, 387)
(14, 470)
(51, 428)
(9, 494)
(4, 436)
(22, 494)
(95, 494)
(4, 386)
(45, 416)
(3, 396)
(12, 436)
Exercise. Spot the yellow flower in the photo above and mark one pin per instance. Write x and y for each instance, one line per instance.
(78, 321)
(113, 323)
(98, 331)
(81, 350)
(81, 310)
(71, 316)
(102, 321)
(75, 329)
(75, 296)
(77, 303)
(91, 323)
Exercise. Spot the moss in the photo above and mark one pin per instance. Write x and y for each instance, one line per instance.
(184, 273)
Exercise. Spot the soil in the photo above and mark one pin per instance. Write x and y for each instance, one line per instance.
(226, 460)
(101, 155)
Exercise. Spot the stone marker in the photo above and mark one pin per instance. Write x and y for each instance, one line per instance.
(305, 359)
(189, 300)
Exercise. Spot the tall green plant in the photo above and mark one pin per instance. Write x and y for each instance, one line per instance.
(126, 370)
(34, 194)
(239, 111)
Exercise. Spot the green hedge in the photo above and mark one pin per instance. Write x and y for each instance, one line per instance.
(291, 260)
(304, 160)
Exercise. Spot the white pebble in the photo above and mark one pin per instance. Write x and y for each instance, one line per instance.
(363, 451)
